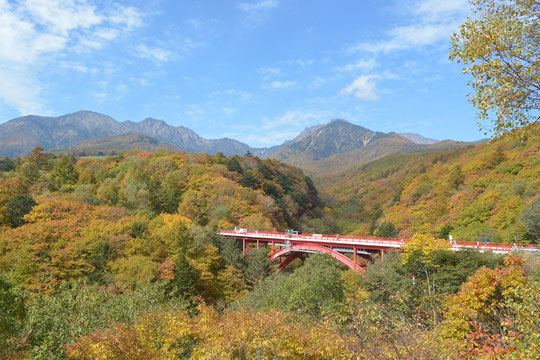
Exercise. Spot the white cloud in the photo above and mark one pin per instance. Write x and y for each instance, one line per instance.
(165, 51)
(431, 21)
(268, 71)
(296, 119)
(256, 6)
(78, 67)
(198, 23)
(359, 65)
(280, 84)
(153, 53)
(438, 8)
(363, 87)
(34, 32)
(233, 93)
(301, 62)
(405, 37)
(228, 110)
(63, 16)
(20, 91)
(279, 128)
(256, 12)
(317, 82)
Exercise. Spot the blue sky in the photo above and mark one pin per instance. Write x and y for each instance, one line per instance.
(255, 70)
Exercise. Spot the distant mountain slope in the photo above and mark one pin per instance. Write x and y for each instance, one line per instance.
(339, 145)
(19, 136)
(418, 139)
(335, 137)
(393, 144)
(115, 144)
(320, 147)
(475, 193)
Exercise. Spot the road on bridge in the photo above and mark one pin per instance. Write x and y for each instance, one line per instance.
(290, 245)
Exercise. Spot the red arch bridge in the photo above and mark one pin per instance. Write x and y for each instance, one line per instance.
(353, 251)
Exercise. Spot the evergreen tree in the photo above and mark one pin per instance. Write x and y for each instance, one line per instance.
(187, 280)
(19, 206)
(29, 172)
(386, 229)
(231, 254)
(102, 255)
(258, 264)
(234, 165)
(7, 164)
(248, 179)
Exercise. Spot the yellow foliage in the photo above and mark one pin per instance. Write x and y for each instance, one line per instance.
(240, 334)
(175, 220)
(421, 247)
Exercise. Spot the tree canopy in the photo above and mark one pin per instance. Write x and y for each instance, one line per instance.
(500, 45)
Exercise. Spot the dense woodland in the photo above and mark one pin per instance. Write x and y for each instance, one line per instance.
(488, 192)
(117, 257)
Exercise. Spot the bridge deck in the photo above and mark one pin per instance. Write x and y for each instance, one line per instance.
(367, 241)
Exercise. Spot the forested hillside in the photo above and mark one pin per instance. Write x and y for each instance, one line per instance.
(488, 192)
(117, 257)
(134, 209)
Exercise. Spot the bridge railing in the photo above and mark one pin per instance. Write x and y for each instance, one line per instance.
(376, 240)
(316, 237)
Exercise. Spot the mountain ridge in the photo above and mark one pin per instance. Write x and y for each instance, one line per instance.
(20, 135)
(315, 143)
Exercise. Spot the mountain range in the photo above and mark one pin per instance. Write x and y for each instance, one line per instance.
(19, 136)
(332, 145)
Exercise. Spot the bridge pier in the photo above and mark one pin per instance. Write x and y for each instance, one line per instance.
(354, 257)
(287, 261)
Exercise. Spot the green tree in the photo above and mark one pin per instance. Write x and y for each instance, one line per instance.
(187, 281)
(419, 255)
(19, 206)
(103, 253)
(63, 173)
(234, 165)
(531, 219)
(312, 288)
(231, 253)
(455, 177)
(29, 172)
(445, 231)
(41, 158)
(7, 164)
(248, 179)
(13, 313)
(386, 229)
(258, 265)
(139, 229)
(500, 46)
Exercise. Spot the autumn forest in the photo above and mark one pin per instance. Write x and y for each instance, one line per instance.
(110, 243)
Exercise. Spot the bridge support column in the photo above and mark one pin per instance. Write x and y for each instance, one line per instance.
(257, 243)
(273, 247)
(382, 255)
(287, 261)
(244, 246)
(354, 257)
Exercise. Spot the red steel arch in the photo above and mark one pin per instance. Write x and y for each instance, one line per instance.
(298, 248)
